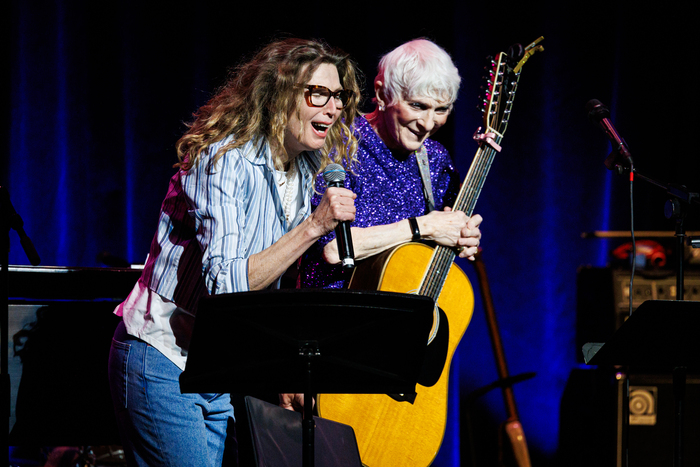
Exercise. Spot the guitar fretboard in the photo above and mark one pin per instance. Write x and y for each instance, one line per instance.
(442, 259)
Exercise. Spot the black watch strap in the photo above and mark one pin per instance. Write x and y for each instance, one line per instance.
(414, 228)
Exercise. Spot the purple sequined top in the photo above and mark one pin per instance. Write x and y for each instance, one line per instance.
(388, 190)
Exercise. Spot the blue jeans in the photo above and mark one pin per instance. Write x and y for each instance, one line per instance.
(159, 426)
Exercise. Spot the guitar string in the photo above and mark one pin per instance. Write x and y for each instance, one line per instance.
(444, 256)
(466, 201)
(439, 267)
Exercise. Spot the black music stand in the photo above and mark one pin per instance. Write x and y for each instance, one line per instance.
(660, 334)
(308, 341)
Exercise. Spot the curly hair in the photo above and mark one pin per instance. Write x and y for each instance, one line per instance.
(260, 95)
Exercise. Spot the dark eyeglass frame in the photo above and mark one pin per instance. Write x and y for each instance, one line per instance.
(341, 97)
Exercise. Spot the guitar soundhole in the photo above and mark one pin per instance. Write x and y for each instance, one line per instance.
(410, 398)
(436, 353)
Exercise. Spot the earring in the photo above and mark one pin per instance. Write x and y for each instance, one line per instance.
(381, 107)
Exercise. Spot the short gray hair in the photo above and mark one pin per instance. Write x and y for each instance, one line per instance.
(419, 68)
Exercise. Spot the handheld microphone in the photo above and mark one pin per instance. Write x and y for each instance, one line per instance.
(600, 115)
(334, 175)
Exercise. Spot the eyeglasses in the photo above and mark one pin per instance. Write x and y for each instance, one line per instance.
(318, 96)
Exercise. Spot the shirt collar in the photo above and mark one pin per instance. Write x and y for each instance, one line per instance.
(258, 152)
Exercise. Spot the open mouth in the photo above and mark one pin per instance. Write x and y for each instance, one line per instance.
(320, 127)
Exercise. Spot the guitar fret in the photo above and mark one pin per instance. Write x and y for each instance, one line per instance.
(469, 194)
(466, 201)
(437, 272)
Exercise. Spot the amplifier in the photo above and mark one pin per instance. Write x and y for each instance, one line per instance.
(652, 420)
(591, 430)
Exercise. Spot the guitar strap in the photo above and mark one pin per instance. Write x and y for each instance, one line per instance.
(424, 168)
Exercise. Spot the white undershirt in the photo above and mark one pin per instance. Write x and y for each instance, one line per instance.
(289, 189)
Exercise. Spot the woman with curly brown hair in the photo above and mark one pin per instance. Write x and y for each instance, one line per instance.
(237, 214)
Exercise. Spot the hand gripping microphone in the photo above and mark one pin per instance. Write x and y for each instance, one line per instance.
(334, 175)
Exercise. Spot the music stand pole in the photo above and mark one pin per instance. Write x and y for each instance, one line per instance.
(308, 424)
(675, 209)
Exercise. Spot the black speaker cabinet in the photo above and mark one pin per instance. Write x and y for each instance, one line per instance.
(591, 429)
(652, 420)
(58, 372)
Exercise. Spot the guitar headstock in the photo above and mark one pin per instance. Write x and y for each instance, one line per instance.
(502, 82)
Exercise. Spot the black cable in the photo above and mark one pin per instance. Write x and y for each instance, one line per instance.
(633, 253)
(634, 242)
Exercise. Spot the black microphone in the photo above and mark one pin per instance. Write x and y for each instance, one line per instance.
(334, 175)
(600, 115)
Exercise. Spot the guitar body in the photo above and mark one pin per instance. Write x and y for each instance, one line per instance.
(396, 433)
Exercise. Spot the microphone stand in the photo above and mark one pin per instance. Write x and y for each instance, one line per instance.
(8, 219)
(675, 208)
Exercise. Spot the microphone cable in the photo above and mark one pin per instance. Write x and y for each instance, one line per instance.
(633, 251)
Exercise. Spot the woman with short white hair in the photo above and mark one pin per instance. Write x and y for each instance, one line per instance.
(415, 89)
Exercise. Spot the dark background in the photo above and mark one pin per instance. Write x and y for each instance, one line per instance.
(98, 93)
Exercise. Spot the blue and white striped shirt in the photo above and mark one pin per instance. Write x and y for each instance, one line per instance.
(212, 220)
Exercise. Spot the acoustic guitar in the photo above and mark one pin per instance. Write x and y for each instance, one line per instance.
(396, 430)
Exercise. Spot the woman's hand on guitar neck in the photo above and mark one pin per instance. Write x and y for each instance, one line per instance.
(452, 229)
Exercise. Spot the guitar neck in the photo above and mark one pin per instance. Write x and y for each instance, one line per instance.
(474, 182)
(439, 266)
(503, 82)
